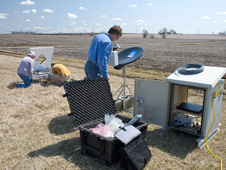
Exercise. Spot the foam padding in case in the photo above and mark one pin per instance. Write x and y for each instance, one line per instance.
(89, 99)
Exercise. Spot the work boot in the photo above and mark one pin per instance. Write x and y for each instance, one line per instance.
(12, 86)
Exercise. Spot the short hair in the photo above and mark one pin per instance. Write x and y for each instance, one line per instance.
(115, 30)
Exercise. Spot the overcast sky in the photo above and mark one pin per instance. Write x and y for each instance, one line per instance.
(134, 16)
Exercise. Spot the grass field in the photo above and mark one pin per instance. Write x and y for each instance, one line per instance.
(36, 132)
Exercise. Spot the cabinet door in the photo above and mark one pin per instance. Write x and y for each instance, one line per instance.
(151, 101)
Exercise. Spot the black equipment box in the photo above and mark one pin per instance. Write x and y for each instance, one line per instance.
(89, 101)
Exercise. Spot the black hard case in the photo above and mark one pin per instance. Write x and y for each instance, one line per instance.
(89, 101)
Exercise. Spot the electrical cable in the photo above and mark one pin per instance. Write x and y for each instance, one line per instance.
(190, 69)
(216, 94)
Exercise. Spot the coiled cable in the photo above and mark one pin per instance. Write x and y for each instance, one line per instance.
(190, 69)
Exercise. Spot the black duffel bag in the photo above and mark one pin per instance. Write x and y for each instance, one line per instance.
(135, 155)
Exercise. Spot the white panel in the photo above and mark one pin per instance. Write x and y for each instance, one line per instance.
(46, 52)
(209, 114)
(206, 79)
(113, 58)
(151, 100)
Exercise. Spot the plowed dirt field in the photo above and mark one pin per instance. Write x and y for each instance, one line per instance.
(159, 54)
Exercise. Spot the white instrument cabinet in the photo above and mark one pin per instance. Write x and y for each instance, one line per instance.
(182, 102)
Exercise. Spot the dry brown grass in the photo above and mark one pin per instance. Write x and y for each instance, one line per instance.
(36, 132)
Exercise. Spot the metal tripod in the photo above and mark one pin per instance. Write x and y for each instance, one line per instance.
(123, 89)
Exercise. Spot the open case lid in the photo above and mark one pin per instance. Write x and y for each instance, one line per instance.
(89, 99)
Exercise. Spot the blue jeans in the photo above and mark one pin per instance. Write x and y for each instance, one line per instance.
(92, 71)
(26, 79)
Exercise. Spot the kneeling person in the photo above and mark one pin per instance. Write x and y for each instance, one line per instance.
(25, 70)
(60, 74)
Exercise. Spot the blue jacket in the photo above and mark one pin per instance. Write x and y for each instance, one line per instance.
(99, 52)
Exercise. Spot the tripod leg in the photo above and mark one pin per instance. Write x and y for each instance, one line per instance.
(129, 90)
(118, 90)
(119, 95)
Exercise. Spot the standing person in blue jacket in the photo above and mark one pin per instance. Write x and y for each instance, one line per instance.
(25, 70)
(99, 52)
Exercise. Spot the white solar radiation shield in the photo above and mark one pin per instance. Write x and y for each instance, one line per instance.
(43, 59)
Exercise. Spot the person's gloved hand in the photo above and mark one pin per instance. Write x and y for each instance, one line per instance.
(31, 80)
